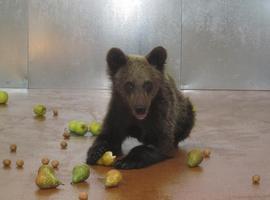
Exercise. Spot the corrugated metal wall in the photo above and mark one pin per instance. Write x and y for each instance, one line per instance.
(225, 44)
(69, 39)
(13, 44)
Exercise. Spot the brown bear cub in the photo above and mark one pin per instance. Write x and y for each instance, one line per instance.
(145, 104)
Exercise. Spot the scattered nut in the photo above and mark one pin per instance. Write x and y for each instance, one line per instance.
(45, 161)
(66, 134)
(55, 113)
(19, 163)
(63, 144)
(83, 196)
(206, 153)
(13, 148)
(6, 163)
(256, 179)
(55, 163)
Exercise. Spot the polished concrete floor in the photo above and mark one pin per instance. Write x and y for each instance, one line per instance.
(235, 125)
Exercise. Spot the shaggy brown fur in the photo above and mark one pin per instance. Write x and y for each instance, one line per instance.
(145, 104)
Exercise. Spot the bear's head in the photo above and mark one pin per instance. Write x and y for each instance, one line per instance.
(137, 79)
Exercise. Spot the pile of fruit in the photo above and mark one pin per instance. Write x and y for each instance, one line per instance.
(80, 128)
(46, 177)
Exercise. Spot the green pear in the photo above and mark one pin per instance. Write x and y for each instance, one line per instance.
(46, 178)
(77, 127)
(95, 128)
(80, 173)
(195, 157)
(3, 97)
(39, 110)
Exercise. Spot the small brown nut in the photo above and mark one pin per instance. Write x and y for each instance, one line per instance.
(206, 153)
(45, 161)
(66, 134)
(55, 163)
(19, 163)
(13, 148)
(83, 196)
(55, 113)
(6, 163)
(256, 179)
(63, 144)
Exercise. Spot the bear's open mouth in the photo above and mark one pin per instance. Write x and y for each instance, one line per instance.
(141, 116)
(140, 112)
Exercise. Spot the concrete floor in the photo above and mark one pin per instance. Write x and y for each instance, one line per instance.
(234, 124)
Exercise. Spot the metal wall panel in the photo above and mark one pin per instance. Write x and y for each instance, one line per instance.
(13, 44)
(69, 39)
(161, 25)
(226, 44)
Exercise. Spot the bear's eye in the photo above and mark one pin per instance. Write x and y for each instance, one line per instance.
(148, 86)
(129, 87)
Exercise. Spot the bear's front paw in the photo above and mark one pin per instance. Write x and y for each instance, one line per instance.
(95, 152)
(139, 157)
(129, 163)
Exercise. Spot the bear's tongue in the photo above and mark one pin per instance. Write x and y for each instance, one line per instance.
(141, 116)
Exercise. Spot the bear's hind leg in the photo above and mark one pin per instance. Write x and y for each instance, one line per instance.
(185, 122)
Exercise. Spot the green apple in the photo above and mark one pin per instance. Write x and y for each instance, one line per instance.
(39, 110)
(3, 97)
(77, 127)
(95, 128)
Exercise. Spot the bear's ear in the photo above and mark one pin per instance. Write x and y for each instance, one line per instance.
(157, 57)
(115, 59)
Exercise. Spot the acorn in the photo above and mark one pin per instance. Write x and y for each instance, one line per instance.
(6, 163)
(206, 153)
(256, 179)
(83, 196)
(55, 163)
(63, 144)
(66, 134)
(45, 161)
(13, 148)
(19, 163)
(55, 113)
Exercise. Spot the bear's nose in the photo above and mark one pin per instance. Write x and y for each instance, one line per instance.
(140, 110)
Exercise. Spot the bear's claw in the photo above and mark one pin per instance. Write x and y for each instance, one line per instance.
(126, 163)
(96, 153)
